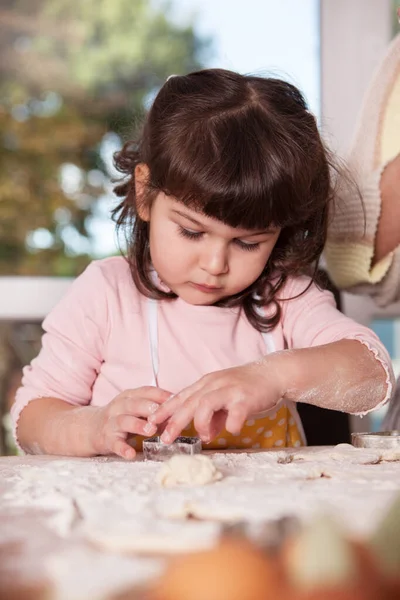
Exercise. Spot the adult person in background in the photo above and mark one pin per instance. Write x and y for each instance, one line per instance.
(363, 248)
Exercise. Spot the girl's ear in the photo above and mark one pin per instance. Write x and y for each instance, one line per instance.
(142, 175)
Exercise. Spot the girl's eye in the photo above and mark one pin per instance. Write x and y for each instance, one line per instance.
(246, 246)
(197, 235)
(188, 233)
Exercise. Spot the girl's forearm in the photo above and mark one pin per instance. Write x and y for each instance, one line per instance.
(342, 375)
(52, 426)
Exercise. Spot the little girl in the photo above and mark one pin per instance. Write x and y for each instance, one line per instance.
(213, 324)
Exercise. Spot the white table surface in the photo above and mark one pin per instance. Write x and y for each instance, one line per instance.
(46, 503)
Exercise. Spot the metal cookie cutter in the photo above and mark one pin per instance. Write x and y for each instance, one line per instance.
(381, 440)
(155, 449)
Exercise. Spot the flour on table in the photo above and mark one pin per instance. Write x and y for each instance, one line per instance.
(71, 513)
(79, 574)
(188, 470)
(150, 535)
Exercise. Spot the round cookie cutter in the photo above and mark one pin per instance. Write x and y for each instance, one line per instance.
(381, 440)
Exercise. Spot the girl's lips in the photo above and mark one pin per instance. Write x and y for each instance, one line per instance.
(206, 288)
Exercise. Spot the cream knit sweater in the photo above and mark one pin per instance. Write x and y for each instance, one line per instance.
(351, 237)
(352, 231)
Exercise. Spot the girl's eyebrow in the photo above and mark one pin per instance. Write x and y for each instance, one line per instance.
(182, 214)
(251, 233)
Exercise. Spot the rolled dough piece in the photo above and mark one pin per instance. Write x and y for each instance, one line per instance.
(390, 455)
(152, 536)
(188, 470)
(345, 453)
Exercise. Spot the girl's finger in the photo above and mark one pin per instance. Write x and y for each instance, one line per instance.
(181, 419)
(238, 412)
(131, 424)
(148, 392)
(217, 424)
(192, 389)
(139, 407)
(166, 410)
(124, 450)
(224, 398)
(202, 386)
(208, 406)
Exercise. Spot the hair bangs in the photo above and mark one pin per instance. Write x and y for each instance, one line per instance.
(229, 169)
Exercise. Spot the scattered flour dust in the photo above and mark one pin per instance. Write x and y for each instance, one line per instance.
(99, 515)
(83, 573)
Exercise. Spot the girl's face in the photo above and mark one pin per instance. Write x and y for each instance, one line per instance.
(201, 259)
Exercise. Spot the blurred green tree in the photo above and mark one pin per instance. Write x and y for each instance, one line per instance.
(396, 7)
(74, 75)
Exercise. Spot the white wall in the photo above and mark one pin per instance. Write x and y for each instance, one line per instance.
(354, 36)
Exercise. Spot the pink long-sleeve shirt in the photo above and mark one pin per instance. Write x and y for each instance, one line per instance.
(97, 340)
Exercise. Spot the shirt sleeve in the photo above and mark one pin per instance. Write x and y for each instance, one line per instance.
(312, 319)
(350, 246)
(72, 350)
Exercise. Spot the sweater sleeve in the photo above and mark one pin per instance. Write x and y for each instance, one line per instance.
(312, 319)
(354, 223)
(350, 246)
(72, 346)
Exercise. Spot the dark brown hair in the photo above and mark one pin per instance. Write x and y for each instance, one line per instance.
(241, 149)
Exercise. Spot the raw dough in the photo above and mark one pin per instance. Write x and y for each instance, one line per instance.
(152, 536)
(188, 470)
(346, 453)
(390, 455)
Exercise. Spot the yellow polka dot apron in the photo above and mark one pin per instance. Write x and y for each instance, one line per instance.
(279, 427)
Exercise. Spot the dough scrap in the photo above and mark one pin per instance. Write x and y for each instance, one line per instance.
(390, 455)
(349, 454)
(151, 536)
(188, 470)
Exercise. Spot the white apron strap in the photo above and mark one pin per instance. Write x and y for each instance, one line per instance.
(152, 312)
(269, 342)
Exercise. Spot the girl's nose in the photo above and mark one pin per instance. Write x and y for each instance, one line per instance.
(214, 259)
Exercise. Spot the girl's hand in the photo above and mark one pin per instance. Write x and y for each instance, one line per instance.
(125, 415)
(222, 399)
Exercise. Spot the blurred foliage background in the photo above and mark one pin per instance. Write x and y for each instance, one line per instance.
(396, 18)
(75, 77)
